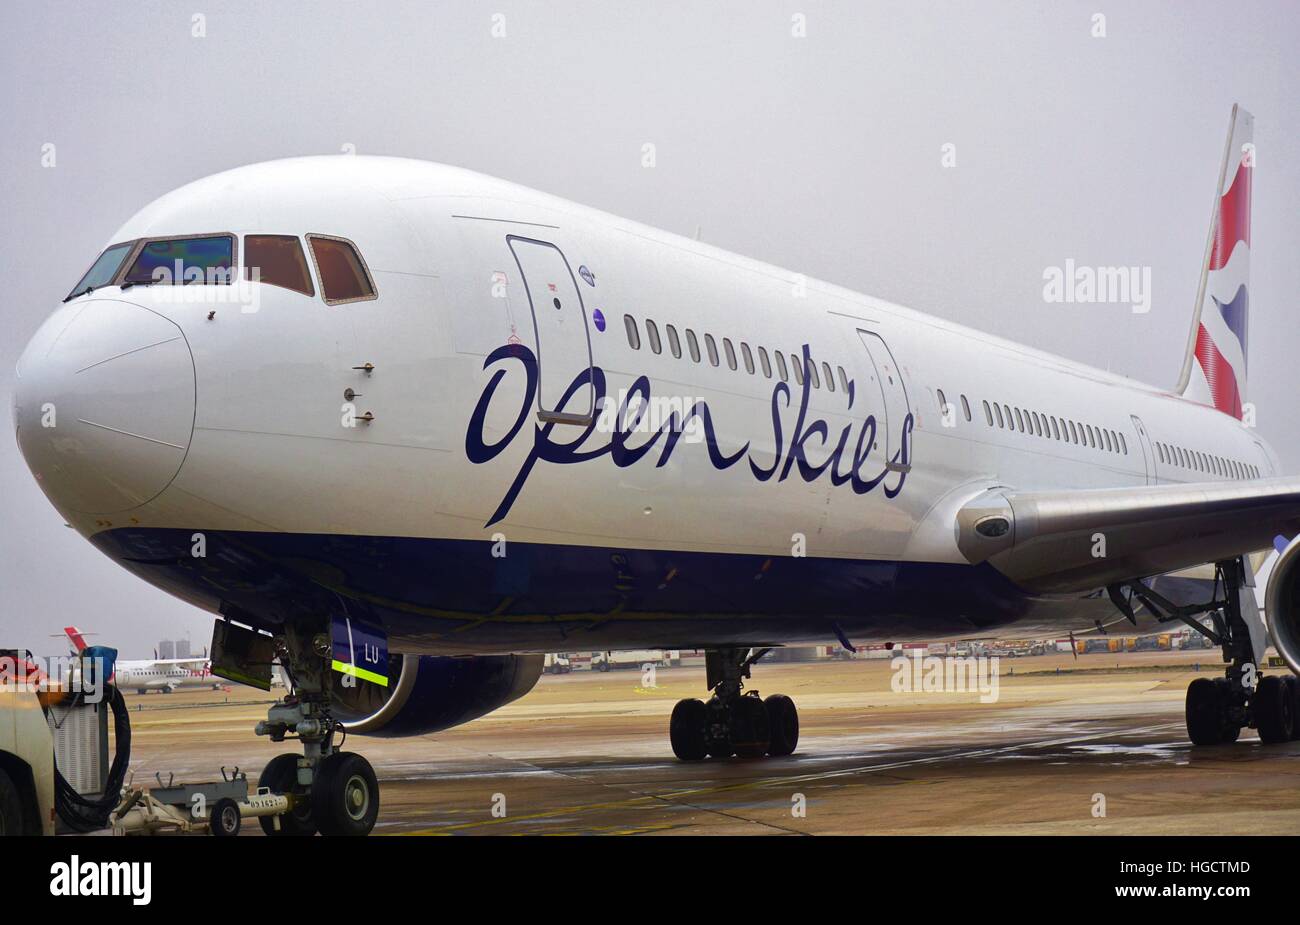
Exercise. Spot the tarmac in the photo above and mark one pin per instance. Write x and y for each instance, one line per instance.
(1093, 745)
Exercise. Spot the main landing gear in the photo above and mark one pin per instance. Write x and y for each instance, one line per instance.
(330, 791)
(733, 722)
(1217, 709)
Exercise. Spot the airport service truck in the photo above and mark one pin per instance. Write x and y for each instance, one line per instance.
(26, 759)
(630, 658)
(557, 663)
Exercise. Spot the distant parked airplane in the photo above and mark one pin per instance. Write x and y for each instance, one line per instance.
(160, 674)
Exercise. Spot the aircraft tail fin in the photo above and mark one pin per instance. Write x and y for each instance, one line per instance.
(76, 638)
(1214, 367)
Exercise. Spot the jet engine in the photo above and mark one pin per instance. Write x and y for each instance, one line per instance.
(429, 693)
(1280, 578)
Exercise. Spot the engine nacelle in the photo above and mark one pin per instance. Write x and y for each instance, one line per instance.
(1280, 577)
(430, 693)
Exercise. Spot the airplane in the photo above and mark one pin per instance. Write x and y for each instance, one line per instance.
(166, 675)
(421, 426)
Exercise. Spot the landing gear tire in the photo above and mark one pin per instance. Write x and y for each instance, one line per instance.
(686, 730)
(1274, 703)
(750, 732)
(281, 776)
(719, 744)
(1294, 684)
(1207, 713)
(345, 795)
(225, 820)
(783, 723)
(1231, 730)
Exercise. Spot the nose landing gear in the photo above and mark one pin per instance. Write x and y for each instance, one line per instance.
(733, 721)
(330, 791)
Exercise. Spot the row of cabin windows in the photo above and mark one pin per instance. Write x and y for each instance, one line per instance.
(734, 358)
(1205, 462)
(1048, 426)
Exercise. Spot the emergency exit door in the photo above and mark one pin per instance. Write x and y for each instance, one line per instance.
(894, 393)
(1144, 443)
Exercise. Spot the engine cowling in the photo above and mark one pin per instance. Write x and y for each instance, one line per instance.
(1281, 584)
(430, 693)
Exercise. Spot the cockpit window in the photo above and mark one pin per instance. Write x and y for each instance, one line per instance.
(103, 271)
(343, 274)
(277, 260)
(181, 261)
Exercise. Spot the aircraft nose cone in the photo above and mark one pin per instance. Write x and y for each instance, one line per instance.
(104, 405)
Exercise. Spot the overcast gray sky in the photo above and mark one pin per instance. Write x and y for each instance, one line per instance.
(818, 153)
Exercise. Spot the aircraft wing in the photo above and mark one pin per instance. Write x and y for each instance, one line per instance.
(1060, 541)
(183, 662)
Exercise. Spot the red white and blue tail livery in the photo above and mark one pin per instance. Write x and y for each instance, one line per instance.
(1221, 321)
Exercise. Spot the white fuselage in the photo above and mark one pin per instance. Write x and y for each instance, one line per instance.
(269, 456)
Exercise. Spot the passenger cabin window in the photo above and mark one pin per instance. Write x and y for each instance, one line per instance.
(830, 379)
(652, 334)
(764, 362)
(693, 345)
(633, 335)
(181, 261)
(748, 357)
(277, 260)
(103, 271)
(712, 348)
(343, 274)
(730, 351)
(844, 380)
(674, 342)
(796, 367)
(780, 366)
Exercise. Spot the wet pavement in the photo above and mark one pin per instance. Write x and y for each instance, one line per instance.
(1098, 748)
